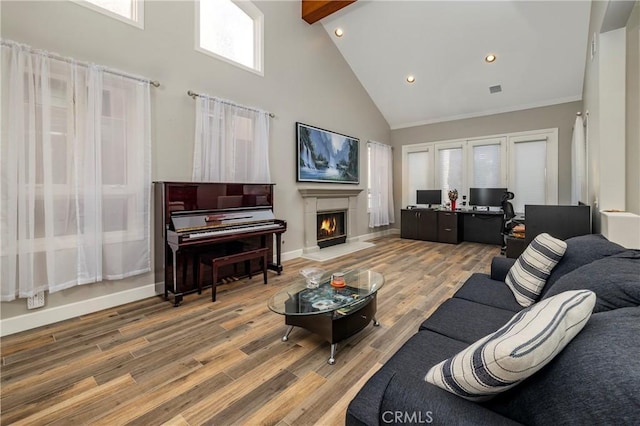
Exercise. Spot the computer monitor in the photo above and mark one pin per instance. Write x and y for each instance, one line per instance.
(429, 196)
(487, 197)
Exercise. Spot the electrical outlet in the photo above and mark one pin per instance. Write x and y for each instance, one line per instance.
(36, 301)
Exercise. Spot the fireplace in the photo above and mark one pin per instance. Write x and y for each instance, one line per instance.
(331, 228)
(320, 200)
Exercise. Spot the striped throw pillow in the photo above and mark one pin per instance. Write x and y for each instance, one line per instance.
(517, 350)
(529, 273)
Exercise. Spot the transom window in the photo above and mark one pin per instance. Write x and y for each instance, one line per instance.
(231, 31)
(129, 11)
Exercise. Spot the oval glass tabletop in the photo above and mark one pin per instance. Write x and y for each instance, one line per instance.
(298, 299)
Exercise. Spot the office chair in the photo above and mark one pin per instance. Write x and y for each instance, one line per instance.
(507, 219)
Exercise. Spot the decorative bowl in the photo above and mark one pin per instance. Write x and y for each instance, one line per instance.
(313, 276)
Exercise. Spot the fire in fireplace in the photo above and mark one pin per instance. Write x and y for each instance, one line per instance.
(331, 228)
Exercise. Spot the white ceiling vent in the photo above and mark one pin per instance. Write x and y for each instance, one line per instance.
(495, 89)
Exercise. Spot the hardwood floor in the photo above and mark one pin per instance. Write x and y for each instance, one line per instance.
(222, 363)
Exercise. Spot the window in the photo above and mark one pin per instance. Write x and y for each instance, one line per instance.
(232, 142)
(533, 176)
(243, 129)
(525, 162)
(76, 174)
(368, 178)
(417, 172)
(486, 160)
(380, 184)
(231, 31)
(129, 11)
(450, 168)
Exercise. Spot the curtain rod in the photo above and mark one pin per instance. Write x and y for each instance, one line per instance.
(379, 143)
(224, 101)
(584, 119)
(51, 55)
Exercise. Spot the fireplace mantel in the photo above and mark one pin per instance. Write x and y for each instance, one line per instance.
(319, 200)
(328, 193)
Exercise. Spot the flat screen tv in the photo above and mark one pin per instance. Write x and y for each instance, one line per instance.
(487, 197)
(429, 196)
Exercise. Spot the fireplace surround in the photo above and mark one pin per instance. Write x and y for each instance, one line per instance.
(327, 200)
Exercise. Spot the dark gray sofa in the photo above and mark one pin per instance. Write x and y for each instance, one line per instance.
(594, 380)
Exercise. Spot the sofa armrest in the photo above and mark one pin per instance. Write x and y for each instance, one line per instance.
(411, 400)
(500, 267)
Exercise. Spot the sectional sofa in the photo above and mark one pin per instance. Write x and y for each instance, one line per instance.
(595, 379)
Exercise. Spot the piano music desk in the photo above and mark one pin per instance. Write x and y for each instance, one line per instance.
(218, 262)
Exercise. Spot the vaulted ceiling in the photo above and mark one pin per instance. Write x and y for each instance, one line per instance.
(540, 46)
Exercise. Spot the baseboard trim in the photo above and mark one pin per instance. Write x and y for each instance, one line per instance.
(378, 234)
(60, 313)
(293, 254)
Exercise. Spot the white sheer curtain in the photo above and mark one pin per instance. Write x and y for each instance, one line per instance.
(232, 142)
(578, 163)
(75, 174)
(381, 184)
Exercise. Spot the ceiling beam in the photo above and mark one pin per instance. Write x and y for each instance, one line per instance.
(315, 10)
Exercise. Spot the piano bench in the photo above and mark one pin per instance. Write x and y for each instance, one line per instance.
(230, 259)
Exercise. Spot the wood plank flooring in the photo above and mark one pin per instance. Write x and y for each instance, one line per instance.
(223, 363)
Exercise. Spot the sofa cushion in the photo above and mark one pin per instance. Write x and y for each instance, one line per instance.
(422, 351)
(529, 273)
(408, 400)
(521, 347)
(594, 380)
(466, 321)
(615, 280)
(581, 251)
(480, 288)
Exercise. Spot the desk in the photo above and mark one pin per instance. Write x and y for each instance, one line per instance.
(445, 226)
(481, 226)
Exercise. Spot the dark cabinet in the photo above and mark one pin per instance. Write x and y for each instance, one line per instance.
(449, 227)
(419, 224)
(409, 224)
(483, 227)
(515, 247)
(446, 226)
(431, 225)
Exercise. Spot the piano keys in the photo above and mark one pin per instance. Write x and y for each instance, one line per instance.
(194, 217)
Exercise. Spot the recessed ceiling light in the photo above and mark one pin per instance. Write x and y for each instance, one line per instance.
(410, 79)
(338, 32)
(490, 58)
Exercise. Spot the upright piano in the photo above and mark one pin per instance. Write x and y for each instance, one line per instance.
(197, 217)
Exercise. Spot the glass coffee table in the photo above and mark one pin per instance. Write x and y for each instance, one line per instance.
(333, 313)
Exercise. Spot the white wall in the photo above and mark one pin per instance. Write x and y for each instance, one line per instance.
(612, 121)
(633, 111)
(305, 79)
(609, 91)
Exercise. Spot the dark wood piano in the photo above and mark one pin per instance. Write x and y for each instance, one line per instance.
(198, 217)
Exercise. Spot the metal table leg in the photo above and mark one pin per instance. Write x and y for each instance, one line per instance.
(332, 357)
(286, 335)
